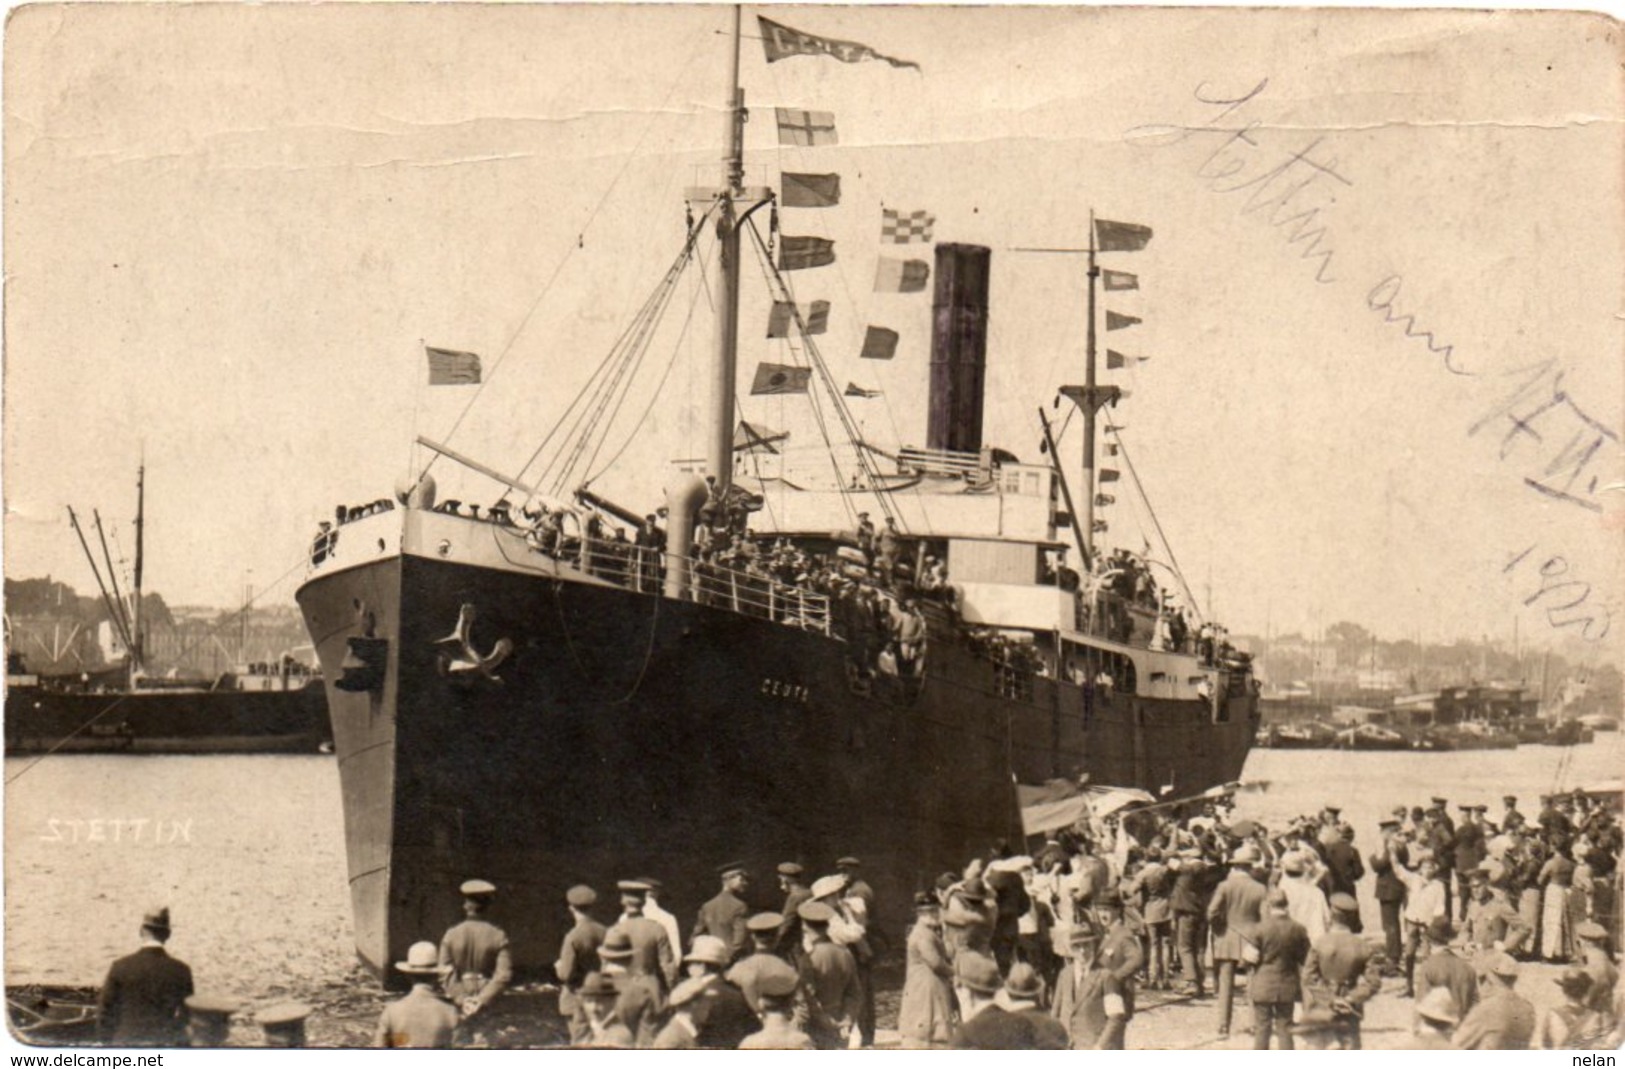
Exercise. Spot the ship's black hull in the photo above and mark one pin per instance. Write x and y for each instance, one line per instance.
(41, 720)
(633, 735)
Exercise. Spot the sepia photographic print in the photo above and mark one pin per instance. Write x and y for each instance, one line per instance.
(789, 527)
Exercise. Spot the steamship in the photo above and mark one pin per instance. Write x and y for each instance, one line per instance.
(518, 695)
(266, 707)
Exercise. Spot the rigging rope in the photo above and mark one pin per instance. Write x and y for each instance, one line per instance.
(1122, 450)
(187, 651)
(654, 115)
(658, 393)
(865, 462)
(594, 386)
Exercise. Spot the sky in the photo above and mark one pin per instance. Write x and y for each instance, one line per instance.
(1381, 306)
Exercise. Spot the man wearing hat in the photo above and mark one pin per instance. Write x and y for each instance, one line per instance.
(1444, 969)
(690, 1006)
(1552, 820)
(724, 916)
(1234, 915)
(660, 915)
(143, 1000)
(638, 1002)
(792, 881)
(1022, 990)
(1276, 984)
(849, 927)
(866, 539)
(1088, 998)
(984, 1024)
(856, 885)
(1492, 922)
(1386, 862)
(776, 991)
(606, 1030)
(208, 1019)
(1511, 820)
(1121, 952)
(1470, 852)
(746, 973)
(829, 978)
(887, 547)
(474, 953)
(422, 1019)
(1503, 1019)
(284, 1024)
(1440, 838)
(1341, 974)
(1344, 871)
(651, 950)
(1573, 1025)
(1594, 959)
(1436, 1018)
(729, 1018)
(1306, 902)
(1194, 882)
(578, 956)
(968, 918)
(926, 1017)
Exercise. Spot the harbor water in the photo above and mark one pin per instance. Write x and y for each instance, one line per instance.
(248, 851)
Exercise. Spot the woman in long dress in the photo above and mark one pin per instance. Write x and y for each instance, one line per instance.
(926, 1017)
(1527, 862)
(1556, 935)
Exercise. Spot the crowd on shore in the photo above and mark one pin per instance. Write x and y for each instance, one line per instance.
(1051, 949)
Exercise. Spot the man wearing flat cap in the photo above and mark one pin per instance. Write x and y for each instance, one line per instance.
(1511, 820)
(1342, 974)
(724, 916)
(829, 977)
(1469, 853)
(283, 1025)
(661, 915)
(651, 950)
(143, 999)
(793, 882)
(777, 994)
(856, 885)
(578, 956)
(1492, 922)
(1277, 981)
(474, 953)
(747, 972)
(208, 1019)
(1388, 864)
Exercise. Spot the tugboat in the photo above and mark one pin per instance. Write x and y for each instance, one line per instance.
(561, 688)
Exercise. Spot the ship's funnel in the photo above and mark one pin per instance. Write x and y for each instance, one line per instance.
(958, 348)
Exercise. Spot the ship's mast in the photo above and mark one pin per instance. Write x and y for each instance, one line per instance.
(1089, 409)
(137, 646)
(719, 456)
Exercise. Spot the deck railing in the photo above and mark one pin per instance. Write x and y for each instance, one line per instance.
(643, 569)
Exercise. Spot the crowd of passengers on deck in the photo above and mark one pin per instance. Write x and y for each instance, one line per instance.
(868, 594)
